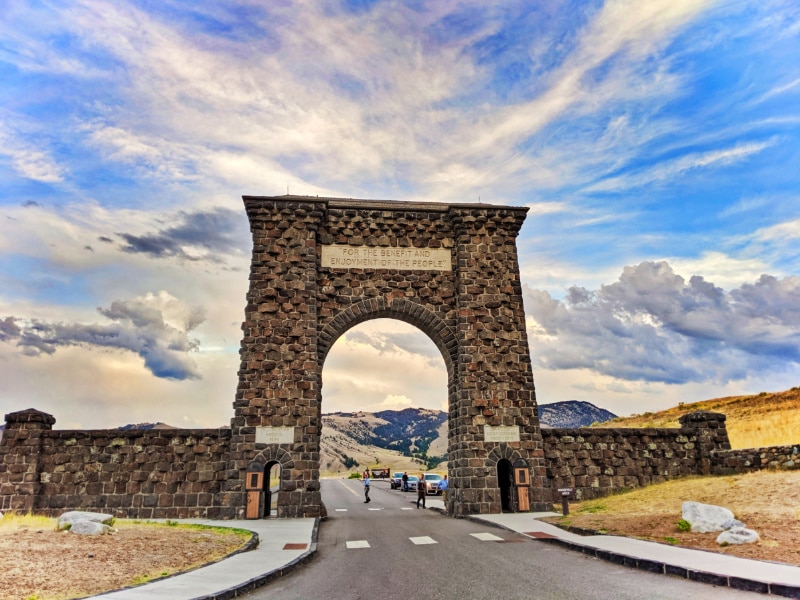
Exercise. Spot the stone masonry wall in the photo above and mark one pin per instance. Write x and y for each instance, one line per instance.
(165, 473)
(597, 462)
(725, 462)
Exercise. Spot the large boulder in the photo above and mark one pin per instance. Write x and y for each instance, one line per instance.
(68, 519)
(737, 535)
(89, 528)
(705, 518)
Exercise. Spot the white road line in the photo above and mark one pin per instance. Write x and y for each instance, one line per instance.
(406, 508)
(341, 510)
(420, 541)
(349, 489)
(486, 537)
(357, 544)
(374, 509)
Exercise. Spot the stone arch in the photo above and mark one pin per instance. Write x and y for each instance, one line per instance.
(323, 265)
(400, 309)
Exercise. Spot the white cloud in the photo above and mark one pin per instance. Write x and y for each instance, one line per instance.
(654, 326)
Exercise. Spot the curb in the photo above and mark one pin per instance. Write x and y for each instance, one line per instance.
(653, 566)
(263, 579)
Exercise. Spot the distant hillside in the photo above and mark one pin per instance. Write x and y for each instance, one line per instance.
(415, 438)
(765, 419)
(146, 426)
(572, 413)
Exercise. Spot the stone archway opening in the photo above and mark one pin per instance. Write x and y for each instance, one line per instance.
(272, 486)
(505, 483)
(377, 366)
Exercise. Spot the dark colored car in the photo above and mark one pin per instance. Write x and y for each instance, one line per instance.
(396, 482)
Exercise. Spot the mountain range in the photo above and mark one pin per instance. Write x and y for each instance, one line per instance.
(415, 439)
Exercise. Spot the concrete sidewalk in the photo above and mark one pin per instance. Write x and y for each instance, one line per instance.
(699, 565)
(287, 543)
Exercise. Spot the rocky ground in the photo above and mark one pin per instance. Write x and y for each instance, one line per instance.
(45, 564)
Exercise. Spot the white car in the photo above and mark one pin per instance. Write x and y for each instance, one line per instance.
(432, 483)
(413, 481)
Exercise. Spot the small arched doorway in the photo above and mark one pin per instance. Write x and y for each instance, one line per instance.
(504, 480)
(272, 485)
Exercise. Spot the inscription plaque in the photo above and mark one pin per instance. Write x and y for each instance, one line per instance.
(340, 256)
(502, 433)
(274, 435)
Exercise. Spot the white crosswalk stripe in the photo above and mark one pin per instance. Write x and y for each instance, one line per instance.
(357, 544)
(422, 540)
(486, 537)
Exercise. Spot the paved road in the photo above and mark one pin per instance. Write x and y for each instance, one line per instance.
(390, 549)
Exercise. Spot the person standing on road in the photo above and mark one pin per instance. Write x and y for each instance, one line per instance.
(405, 482)
(421, 490)
(366, 487)
(443, 485)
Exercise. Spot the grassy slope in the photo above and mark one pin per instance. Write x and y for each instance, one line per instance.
(765, 419)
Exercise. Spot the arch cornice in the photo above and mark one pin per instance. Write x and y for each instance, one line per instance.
(400, 309)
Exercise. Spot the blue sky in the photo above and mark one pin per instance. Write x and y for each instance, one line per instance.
(656, 145)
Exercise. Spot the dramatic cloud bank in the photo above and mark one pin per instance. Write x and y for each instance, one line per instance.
(653, 325)
(139, 325)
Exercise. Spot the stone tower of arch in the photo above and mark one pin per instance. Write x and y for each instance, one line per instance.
(321, 266)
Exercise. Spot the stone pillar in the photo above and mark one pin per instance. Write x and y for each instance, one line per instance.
(494, 369)
(20, 459)
(711, 434)
(279, 378)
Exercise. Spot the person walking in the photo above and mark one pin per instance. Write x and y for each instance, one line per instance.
(405, 481)
(366, 487)
(421, 490)
(443, 485)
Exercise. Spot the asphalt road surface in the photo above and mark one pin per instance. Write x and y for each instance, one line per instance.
(390, 549)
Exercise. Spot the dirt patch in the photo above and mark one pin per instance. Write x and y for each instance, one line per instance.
(44, 564)
(768, 502)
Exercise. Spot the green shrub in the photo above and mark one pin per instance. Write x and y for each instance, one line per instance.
(684, 525)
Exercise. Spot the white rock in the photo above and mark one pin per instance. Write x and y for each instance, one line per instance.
(738, 535)
(705, 518)
(89, 528)
(69, 518)
(731, 524)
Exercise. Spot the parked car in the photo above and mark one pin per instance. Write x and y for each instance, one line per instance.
(432, 483)
(413, 481)
(396, 482)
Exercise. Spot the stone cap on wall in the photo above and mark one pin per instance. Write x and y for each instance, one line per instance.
(380, 204)
(700, 416)
(30, 415)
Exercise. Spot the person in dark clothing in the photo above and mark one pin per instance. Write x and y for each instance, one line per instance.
(421, 490)
(405, 482)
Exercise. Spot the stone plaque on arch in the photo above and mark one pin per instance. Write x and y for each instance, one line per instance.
(323, 265)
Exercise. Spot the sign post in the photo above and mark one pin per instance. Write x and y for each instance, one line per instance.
(565, 494)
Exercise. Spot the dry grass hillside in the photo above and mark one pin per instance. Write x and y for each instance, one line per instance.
(765, 419)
